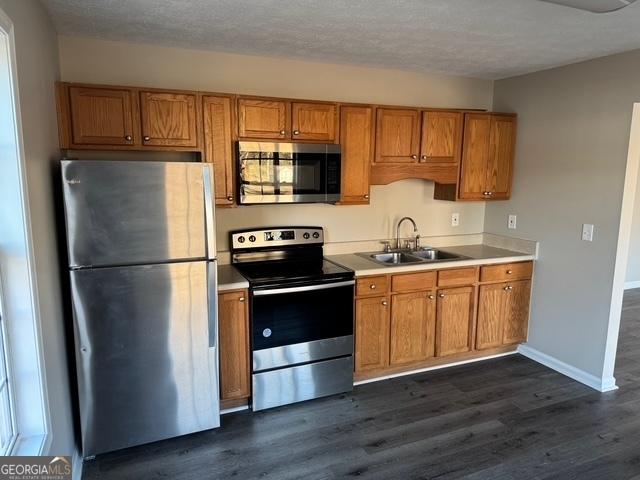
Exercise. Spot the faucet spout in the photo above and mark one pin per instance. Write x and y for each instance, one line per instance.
(415, 229)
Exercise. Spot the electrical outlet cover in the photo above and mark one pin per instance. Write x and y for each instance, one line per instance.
(512, 221)
(455, 219)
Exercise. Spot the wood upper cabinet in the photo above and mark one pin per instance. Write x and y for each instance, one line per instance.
(98, 116)
(503, 313)
(218, 144)
(372, 334)
(169, 119)
(259, 118)
(454, 322)
(356, 143)
(413, 327)
(487, 156)
(441, 137)
(233, 318)
(314, 121)
(397, 136)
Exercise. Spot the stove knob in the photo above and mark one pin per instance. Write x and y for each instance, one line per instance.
(316, 235)
(241, 239)
(252, 238)
(306, 235)
(266, 333)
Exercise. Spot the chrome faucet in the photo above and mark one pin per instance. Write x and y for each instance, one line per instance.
(415, 230)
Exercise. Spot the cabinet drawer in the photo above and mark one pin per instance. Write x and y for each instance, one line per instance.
(371, 286)
(458, 276)
(506, 272)
(413, 281)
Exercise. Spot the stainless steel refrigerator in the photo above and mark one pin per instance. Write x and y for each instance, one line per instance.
(142, 261)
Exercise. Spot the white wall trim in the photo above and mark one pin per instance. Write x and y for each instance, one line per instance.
(632, 285)
(435, 367)
(599, 384)
(624, 241)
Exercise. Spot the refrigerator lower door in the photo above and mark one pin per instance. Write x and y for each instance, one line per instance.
(147, 369)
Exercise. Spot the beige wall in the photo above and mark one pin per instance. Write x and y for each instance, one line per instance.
(95, 61)
(37, 65)
(573, 135)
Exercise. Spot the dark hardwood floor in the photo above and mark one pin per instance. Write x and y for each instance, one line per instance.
(507, 418)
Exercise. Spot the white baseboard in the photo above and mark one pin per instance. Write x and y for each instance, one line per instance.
(76, 465)
(630, 285)
(599, 384)
(435, 367)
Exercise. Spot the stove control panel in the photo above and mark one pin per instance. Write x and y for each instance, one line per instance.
(276, 237)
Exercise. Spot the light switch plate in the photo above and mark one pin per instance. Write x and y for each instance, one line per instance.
(455, 219)
(512, 221)
(587, 232)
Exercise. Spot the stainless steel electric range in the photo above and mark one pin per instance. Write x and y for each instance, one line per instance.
(301, 310)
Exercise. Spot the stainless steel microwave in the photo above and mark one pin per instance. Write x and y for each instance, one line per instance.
(278, 172)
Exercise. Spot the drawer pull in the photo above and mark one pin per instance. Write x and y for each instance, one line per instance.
(147, 138)
(508, 288)
(241, 299)
(441, 295)
(128, 138)
(282, 132)
(509, 272)
(430, 297)
(372, 286)
(385, 303)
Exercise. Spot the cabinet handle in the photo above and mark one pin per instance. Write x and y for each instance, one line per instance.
(241, 299)
(508, 288)
(230, 198)
(296, 132)
(147, 138)
(430, 297)
(509, 272)
(366, 197)
(128, 138)
(372, 286)
(489, 193)
(485, 193)
(414, 156)
(441, 295)
(385, 303)
(282, 132)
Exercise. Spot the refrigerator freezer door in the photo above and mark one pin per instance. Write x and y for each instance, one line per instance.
(127, 213)
(146, 370)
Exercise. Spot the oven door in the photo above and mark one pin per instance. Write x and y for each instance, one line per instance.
(288, 173)
(301, 324)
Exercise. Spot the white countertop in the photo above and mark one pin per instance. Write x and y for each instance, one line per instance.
(230, 279)
(477, 255)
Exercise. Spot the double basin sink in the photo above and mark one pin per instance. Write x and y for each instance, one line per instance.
(406, 256)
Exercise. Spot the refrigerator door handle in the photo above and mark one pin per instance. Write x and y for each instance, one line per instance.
(213, 303)
(208, 211)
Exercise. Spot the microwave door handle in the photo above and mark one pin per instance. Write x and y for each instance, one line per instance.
(306, 288)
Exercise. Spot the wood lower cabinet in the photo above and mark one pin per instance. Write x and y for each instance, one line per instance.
(97, 116)
(516, 315)
(233, 320)
(356, 143)
(413, 327)
(264, 118)
(455, 319)
(372, 334)
(218, 144)
(169, 119)
(314, 121)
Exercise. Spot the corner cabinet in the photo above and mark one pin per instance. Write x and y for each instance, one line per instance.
(488, 150)
(235, 372)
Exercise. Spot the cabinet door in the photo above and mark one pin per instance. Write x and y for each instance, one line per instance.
(516, 316)
(169, 119)
(372, 333)
(501, 151)
(397, 135)
(454, 323)
(233, 335)
(218, 146)
(441, 137)
(356, 144)
(491, 311)
(314, 121)
(264, 119)
(102, 116)
(475, 156)
(413, 327)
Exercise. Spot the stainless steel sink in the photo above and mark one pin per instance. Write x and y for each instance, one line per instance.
(394, 258)
(402, 257)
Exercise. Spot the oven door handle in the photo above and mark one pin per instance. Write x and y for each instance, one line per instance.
(306, 288)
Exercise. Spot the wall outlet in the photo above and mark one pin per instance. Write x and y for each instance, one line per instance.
(512, 222)
(587, 232)
(455, 219)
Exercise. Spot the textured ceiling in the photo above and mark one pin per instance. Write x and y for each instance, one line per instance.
(477, 38)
